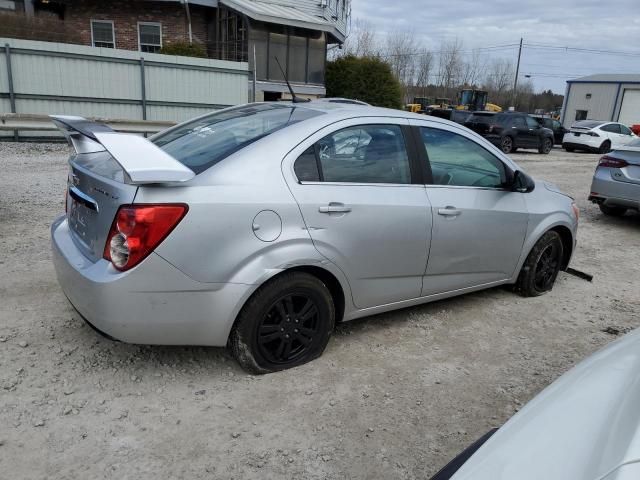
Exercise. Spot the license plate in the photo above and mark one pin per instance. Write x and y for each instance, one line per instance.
(78, 217)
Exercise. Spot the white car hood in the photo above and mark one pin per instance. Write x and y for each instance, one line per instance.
(584, 426)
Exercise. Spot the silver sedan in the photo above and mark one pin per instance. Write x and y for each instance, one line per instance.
(616, 181)
(261, 226)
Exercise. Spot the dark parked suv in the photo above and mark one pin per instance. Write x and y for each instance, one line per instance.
(511, 130)
(554, 125)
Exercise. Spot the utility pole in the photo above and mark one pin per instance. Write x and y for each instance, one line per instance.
(515, 80)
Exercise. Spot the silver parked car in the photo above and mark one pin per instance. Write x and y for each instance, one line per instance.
(261, 226)
(616, 181)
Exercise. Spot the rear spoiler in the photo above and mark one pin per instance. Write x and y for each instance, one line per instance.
(143, 161)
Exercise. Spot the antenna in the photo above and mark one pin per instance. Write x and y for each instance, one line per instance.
(294, 98)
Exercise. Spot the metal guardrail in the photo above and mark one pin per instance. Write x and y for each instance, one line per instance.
(22, 121)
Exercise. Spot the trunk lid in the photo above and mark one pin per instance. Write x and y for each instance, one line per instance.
(105, 173)
(630, 173)
(95, 190)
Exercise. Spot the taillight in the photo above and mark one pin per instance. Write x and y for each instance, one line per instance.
(592, 134)
(138, 229)
(494, 128)
(576, 210)
(612, 162)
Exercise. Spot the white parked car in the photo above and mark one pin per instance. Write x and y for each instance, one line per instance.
(584, 426)
(596, 136)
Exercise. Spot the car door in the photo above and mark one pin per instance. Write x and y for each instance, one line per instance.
(611, 131)
(479, 225)
(535, 131)
(521, 130)
(364, 207)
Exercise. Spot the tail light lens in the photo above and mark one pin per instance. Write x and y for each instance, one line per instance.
(592, 134)
(576, 210)
(612, 162)
(138, 229)
(494, 128)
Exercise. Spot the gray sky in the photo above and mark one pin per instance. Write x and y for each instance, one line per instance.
(592, 24)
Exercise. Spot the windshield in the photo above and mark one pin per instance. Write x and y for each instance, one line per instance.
(587, 124)
(203, 142)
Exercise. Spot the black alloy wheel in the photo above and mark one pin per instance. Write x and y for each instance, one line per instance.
(547, 267)
(506, 144)
(288, 329)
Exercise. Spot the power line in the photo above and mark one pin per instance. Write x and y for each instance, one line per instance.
(593, 51)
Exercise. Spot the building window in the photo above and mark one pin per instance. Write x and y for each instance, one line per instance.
(149, 37)
(581, 114)
(102, 34)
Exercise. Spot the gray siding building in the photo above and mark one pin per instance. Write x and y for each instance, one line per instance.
(609, 97)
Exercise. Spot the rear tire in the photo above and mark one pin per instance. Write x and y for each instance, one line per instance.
(506, 144)
(546, 146)
(287, 322)
(605, 147)
(612, 211)
(541, 267)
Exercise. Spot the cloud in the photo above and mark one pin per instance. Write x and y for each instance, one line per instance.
(592, 24)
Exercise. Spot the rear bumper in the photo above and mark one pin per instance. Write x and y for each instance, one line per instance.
(153, 303)
(605, 190)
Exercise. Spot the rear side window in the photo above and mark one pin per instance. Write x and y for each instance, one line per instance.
(201, 143)
(519, 122)
(475, 118)
(457, 161)
(611, 128)
(362, 154)
(624, 130)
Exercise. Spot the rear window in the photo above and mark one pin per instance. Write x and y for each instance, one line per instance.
(480, 118)
(201, 143)
(586, 124)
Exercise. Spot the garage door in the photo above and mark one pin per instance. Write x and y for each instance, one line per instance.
(630, 111)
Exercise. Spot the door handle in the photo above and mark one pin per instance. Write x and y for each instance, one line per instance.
(449, 211)
(334, 208)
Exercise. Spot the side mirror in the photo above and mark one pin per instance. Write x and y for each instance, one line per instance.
(522, 182)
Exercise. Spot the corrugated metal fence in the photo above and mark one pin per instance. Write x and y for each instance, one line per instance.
(55, 78)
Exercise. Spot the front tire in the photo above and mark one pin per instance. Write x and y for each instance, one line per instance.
(546, 146)
(541, 267)
(506, 144)
(287, 322)
(612, 211)
(570, 149)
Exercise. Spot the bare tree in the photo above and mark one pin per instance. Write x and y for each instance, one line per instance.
(361, 42)
(472, 70)
(450, 66)
(499, 80)
(400, 52)
(423, 68)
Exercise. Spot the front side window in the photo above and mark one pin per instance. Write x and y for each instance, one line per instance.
(150, 37)
(102, 34)
(362, 154)
(201, 143)
(455, 160)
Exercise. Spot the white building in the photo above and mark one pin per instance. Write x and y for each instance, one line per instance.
(611, 97)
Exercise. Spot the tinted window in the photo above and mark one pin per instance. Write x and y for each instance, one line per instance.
(203, 142)
(624, 130)
(456, 160)
(531, 123)
(611, 128)
(306, 166)
(587, 124)
(365, 154)
(556, 125)
(479, 118)
(519, 122)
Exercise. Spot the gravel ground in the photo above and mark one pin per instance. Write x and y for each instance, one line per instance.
(394, 396)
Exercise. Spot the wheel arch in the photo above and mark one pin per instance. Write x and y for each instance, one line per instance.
(567, 244)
